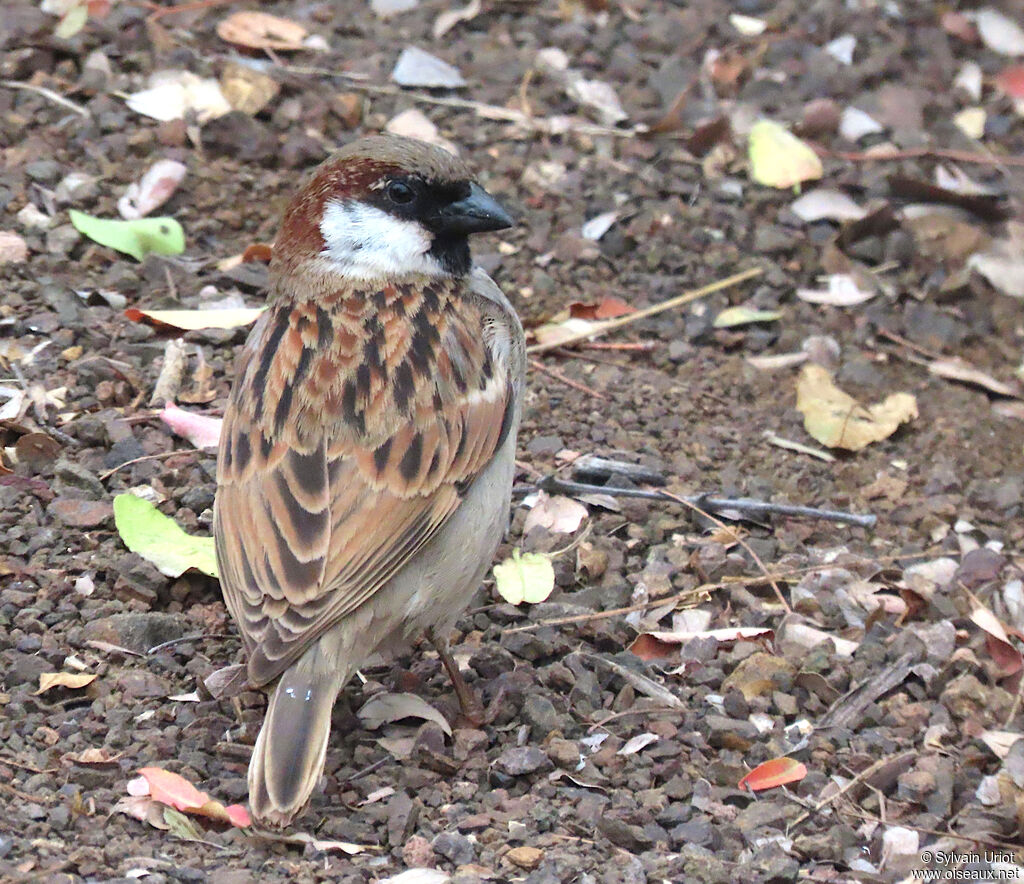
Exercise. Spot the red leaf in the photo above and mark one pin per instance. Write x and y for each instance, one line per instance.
(1011, 80)
(171, 789)
(1006, 657)
(656, 645)
(606, 308)
(239, 816)
(177, 792)
(771, 774)
(236, 815)
(1000, 649)
(200, 430)
(915, 603)
(647, 647)
(958, 25)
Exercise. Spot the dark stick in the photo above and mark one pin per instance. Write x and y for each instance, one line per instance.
(745, 505)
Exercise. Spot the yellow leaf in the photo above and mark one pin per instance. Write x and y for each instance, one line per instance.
(838, 420)
(71, 680)
(971, 121)
(524, 578)
(780, 159)
(733, 316)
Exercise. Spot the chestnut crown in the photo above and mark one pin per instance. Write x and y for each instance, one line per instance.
(387, 206)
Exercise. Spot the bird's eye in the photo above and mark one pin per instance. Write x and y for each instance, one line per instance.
(401, 193)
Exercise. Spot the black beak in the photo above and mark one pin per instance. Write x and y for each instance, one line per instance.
(477, 213)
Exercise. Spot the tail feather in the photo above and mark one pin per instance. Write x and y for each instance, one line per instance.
(290, 750)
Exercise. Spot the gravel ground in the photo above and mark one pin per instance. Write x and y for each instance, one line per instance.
(601, 764)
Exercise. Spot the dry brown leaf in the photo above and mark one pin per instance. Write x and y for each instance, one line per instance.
(72, 680)
(92, 755)
(246, 89)
(838, 420)
(259, 30)
(558, 514)
(658, 644)
(383, 708)
(1006, 657)
(451, 17)
(1000, 742)
(957, 369)
(608, 307)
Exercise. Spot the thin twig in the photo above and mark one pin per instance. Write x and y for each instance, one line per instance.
(914, 153)
(745, 505)
(956, 836)
(55, 97)
(558, 376)
(850, 784)
(12, 763)
(646, 686)
(677, 598)
(656, 710)
(642, 346)
(697, 591)
(160, 455)
(750, 550)
(369, 769)
(677, 301)
(1015, 707)
(903, 342)
(160, 11)
(197, 636)
(32, 799)
(551, 126)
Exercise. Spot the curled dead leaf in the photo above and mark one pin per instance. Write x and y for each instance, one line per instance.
(657, 645)
(609, 307)
(383, 708)
(957, 369)
(838, 420)
(259, 30)
(71, 680)
(558, 514)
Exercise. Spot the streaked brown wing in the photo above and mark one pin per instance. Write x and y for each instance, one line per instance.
(343, 452)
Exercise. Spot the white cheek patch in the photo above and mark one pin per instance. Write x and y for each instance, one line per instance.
(363, 242)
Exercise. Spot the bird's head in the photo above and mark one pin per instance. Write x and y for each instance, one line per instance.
(384, 207)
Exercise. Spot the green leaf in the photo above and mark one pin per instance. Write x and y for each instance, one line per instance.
(180, 825)
(524, 578)
(137, 238)
(72, 22)
(733, 316)
(160, 540)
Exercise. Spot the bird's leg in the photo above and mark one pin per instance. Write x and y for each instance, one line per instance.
(469, 702)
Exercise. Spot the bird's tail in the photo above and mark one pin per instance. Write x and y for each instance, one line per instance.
(289, 755)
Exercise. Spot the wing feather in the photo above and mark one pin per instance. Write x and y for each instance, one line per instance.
(339, 462)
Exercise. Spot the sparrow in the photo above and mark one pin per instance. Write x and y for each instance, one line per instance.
(368, 447)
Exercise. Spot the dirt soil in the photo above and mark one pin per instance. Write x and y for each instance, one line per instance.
(877, 679)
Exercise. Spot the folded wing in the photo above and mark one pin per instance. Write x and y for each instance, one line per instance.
(355, 428)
